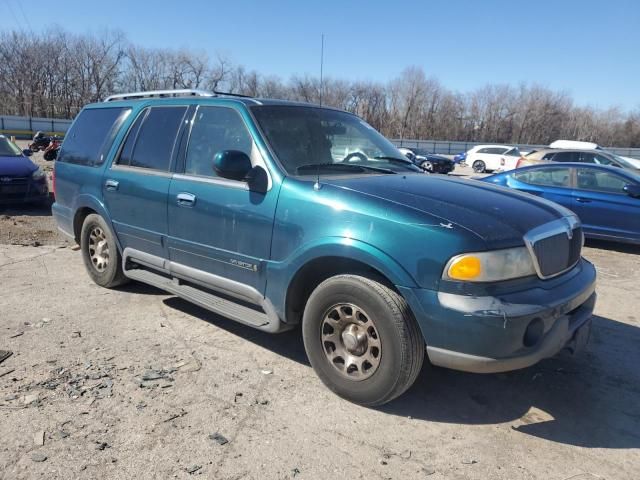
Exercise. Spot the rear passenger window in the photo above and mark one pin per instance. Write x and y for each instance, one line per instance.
(566, 157)
(215, 129)
(552, 177)
(89, 140)
(152, 137)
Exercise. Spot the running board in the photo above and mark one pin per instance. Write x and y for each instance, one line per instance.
(210, 301)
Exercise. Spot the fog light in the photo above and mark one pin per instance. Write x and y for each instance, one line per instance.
(533, 333)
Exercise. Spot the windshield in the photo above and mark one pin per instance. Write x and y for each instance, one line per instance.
(8, 148)
(308, 137)
(623, 161)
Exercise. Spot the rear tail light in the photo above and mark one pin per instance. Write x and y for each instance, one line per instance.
(521, 162)
(53, 180)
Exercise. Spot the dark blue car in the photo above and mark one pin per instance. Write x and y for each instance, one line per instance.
(607, 199)
(21, 180)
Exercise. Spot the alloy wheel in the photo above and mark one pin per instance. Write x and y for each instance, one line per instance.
(350, 341)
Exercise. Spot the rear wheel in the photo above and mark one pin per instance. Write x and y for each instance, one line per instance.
(479, 166)
(100, 253)
(362, 340)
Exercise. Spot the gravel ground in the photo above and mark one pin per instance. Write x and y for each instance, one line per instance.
(135, 383)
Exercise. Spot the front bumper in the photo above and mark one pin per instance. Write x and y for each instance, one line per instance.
(24, 193)
(486, 334)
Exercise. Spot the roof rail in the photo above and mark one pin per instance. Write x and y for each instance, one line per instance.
(186, 92)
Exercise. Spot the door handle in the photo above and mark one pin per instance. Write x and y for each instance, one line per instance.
(186, 199)
(583, 200)
(111, 184)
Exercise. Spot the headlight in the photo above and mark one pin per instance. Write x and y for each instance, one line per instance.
(490, 266)
(38, 174)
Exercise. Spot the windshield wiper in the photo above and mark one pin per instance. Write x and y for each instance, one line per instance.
(404, 161)
(342, 166)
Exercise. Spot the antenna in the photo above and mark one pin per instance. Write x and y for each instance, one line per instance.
(321, 66)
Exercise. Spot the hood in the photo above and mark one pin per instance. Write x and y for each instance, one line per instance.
(498, 215)
(16, 167)
(434, 158)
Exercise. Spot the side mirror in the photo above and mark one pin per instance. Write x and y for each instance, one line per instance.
(232, 164)
(631, 189)
(27, 152)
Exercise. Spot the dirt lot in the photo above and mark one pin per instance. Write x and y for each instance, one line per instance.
(134, 383)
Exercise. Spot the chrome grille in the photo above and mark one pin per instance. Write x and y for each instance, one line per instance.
(555, 247)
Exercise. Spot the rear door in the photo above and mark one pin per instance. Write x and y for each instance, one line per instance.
(492, 157)
(552, 182)
(604, 208)
(135, 188)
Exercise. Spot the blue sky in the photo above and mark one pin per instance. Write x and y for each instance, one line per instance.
(588, 48)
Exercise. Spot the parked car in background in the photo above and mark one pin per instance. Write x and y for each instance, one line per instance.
(490, 158)
(598, 157)
(21, 180)
(460, 158)
(429, 162)
(577, 145)
(606, 198)
(380, 264)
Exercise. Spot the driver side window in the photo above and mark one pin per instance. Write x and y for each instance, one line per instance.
(214, 129)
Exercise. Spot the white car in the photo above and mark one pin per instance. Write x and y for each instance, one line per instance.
(489, 158)
(574, 144)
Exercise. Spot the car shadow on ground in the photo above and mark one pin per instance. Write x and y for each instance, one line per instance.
(613, 246)
(27, 209)
(588, 400)
(286, 344)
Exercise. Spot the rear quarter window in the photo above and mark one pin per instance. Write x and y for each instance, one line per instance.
(89, 139)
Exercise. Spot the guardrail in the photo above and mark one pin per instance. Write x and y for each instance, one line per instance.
(26, 127)
(446, 147)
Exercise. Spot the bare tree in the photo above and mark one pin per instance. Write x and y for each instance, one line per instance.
(55, 74)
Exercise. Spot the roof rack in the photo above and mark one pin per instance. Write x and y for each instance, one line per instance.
(186, 92)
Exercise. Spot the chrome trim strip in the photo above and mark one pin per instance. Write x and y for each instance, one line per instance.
(142, 170)
(225, 182)
(564, 225)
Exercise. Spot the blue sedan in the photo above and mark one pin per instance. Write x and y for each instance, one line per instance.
(607, 199)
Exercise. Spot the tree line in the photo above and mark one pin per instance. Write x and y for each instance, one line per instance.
(53, 74)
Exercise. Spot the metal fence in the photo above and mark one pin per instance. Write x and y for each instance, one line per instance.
(26, 127)
(446, 147)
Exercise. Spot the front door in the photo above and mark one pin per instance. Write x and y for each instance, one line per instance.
(602, 205)
(137, 183)
(217, 225)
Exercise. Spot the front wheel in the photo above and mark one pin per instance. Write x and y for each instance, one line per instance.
(100, 253)
(362, 339)
(427, 166)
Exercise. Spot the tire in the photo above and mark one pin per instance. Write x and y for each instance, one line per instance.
(395, 333)
(479, 166)
(50, 155)
(427, 166)
(100, 252)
